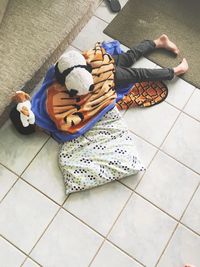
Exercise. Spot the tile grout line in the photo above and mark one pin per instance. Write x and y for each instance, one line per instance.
(46, 228)
(41, 192)
(190, 229)
(17, 174)
(159, 148)
(102, 20)
(9, 169)
(12, 244)
(125, 252)
(189, 115)
(186, 166)
(76, 48)
(178, 224)
(28, 254)
(168, 214)
(170, 238)
(165, 212)
(35, 156)
(106, 237)
(108, 232)
(30, 258)
(181, 111)
(190, 202)
(9, 190)
(190, 198)
(198, 120)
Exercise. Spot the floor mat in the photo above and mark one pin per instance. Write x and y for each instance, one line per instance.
(179, 19)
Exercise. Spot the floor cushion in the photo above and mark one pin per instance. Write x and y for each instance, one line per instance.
(103, 154)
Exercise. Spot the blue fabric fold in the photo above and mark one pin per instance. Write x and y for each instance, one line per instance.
(39, 102)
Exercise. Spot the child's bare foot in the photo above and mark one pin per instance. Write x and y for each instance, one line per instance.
(164, 42)
(181, 68)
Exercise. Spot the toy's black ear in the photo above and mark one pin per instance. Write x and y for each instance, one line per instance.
(73, 92)
(89, 67)
(60, 77)
(91, 87)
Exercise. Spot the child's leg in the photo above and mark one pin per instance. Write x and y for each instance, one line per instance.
(131, 56)
(132, 75)
(124, 76)
(128, 58)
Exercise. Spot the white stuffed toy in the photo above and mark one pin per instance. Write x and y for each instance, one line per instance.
(24, 107)
(73, 71)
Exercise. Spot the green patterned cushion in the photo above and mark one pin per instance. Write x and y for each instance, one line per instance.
(103, 154)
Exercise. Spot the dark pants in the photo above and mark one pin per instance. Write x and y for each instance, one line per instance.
(126, 74)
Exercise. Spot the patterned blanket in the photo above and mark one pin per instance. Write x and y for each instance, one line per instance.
(70, 114)
(66, 118)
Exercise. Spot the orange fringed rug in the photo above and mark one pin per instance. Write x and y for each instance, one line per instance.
(144, 94)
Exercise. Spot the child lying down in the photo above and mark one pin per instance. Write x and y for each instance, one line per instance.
(76, 105)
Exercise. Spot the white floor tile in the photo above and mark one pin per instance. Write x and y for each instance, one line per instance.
(192, 216)
(183, 142)
(168, 184)
(69, 48)
(18, 150)
(152, 123)
(9, 255)
(111, 256)
(182, 249)
(99, 207)
(90, 34)
(25, 213)
(122, 112)
(179, 92)
(192, 108)
(67, 242)
(104, 12)
(7, 179)
(146, 152)
(44, 172)
(142, 230)
(144, 63)
(30, 263)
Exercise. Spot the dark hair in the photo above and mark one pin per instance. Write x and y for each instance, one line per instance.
(15, 118)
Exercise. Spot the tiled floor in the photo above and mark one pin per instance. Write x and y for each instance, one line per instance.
(151, 219)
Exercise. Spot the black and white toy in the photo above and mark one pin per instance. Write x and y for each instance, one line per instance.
(73, 71)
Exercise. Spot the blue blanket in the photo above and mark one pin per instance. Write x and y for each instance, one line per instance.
(39, 101)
